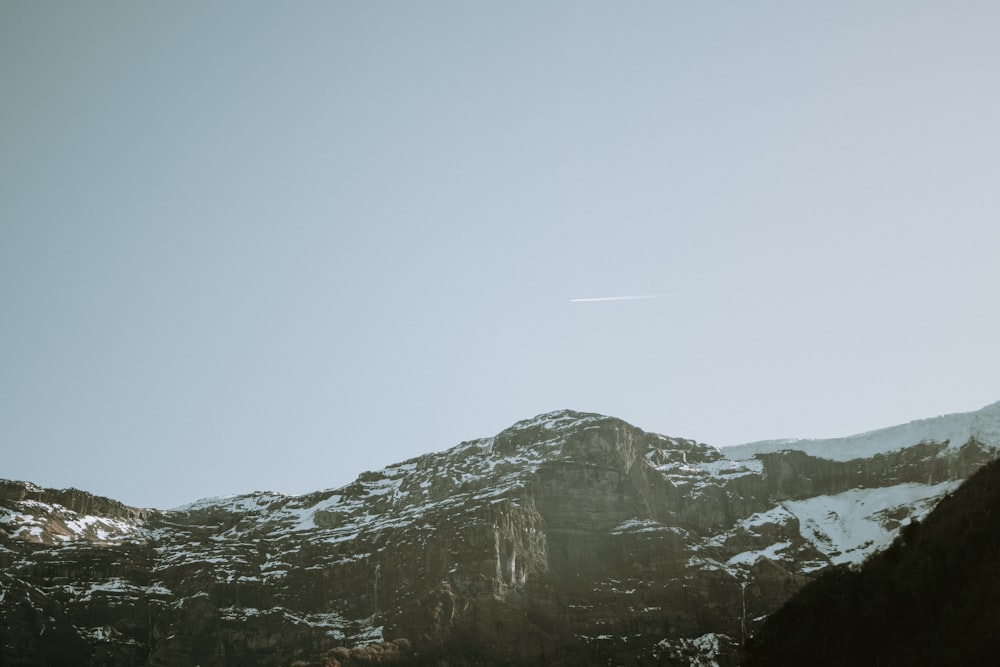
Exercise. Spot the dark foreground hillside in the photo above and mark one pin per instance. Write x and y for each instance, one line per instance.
(933, 598)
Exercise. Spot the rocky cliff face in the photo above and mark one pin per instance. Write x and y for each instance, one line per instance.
(567, 539)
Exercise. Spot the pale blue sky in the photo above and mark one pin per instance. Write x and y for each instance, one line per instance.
(271, 245)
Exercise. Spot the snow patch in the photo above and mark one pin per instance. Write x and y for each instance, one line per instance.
(703, 651)
(850, 526)
(748, 559)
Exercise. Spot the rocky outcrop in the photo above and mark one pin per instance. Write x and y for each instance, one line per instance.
(569, 538)
(792, 474)
(74, 500)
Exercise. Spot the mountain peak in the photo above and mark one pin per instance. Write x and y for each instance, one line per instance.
(557, 420)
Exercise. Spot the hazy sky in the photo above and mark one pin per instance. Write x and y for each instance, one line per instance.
(271, 245)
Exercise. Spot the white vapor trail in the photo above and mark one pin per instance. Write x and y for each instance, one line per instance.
(621, 298)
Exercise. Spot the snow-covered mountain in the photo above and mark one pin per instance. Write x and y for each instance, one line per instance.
(954, 429)
(569, 538)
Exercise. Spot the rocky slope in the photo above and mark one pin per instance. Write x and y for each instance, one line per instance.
(929, 599)
(569, 538)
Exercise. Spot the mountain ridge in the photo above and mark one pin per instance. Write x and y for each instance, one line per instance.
(931, 429)
(955, 428)
(984, 424)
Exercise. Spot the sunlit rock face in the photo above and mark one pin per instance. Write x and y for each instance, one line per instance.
(569, 538)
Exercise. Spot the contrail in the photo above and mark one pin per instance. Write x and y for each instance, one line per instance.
(621, 298)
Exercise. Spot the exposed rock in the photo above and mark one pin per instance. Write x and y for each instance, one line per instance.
(73, 500)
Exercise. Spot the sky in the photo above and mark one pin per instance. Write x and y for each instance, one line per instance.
(249, 246)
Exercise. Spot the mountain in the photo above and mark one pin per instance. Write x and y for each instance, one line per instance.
(929, 599)
(567, 539)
